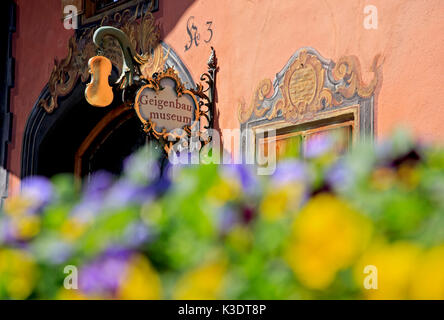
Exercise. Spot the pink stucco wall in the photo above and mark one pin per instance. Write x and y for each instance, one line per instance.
(254, 40)
(39, 39)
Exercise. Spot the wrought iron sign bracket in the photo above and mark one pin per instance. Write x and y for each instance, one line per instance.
(208, 94)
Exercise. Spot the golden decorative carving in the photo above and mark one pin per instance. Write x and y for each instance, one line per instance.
(263, 89)
(347, 69)
(154, 63)
(301, 89)
(63, 78)
(144, 34)
(304, 92)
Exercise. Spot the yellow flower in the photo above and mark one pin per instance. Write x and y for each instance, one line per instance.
(17, 273)
(409, 176)
(203, 283)
(26, 227)
(240, 238)
(427, 280)
(141, 282)
(151, 213)
(327, 236)
(383, 178)
(65, 294)
(224, 190)
(394, 264)
(73, 228)
(279, 200)
(17, 206)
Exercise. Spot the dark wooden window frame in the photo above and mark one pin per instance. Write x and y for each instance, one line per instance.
(94, 15)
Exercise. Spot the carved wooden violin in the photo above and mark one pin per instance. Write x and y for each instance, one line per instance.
(98, 92)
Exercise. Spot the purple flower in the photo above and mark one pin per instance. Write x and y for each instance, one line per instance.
(97, 186)
(136, 234)
(317, 146)
(86, 210)
(39, 190)
(288, 172)
(103, 276)
(6, 231)
(228, 218)
(125, 192)
(339, 176)
(93, 196)
(244, 174)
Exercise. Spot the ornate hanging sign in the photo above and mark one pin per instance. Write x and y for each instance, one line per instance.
(166, 108)
(168, 111)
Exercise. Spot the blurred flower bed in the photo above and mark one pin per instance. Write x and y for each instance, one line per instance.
(221, 231)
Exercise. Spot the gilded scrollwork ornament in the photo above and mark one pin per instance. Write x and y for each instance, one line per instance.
(263, 89)
(143, 34)
(347, 70)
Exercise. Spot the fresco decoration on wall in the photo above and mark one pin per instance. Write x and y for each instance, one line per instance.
(307, 86)
(143, 32)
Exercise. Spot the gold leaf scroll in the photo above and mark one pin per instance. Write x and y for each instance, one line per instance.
(153, 63)
(348, 69)
(263, 89)
(64, 77)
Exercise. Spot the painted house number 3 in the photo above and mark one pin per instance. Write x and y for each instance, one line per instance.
(194, 34)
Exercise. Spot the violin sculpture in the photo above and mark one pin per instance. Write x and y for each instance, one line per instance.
(98, 92)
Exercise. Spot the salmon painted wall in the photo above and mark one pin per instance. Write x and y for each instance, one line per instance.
(254, 40)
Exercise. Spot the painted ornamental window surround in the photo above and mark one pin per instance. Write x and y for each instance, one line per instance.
(310, 98)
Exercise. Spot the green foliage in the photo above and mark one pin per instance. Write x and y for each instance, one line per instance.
(206, 231)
